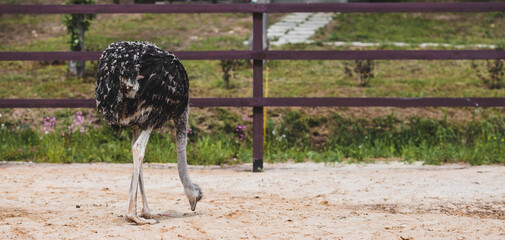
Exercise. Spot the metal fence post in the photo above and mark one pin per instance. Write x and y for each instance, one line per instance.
(257, 93)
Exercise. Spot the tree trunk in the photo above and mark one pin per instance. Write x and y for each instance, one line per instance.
(265, 28)
(76, 68)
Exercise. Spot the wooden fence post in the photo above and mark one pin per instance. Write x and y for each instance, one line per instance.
(257, 93)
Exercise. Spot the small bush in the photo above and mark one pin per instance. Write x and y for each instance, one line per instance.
(364, 71)
(229, 68)
(494, 79)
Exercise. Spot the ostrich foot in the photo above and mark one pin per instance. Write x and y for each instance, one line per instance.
(140, 220)
(146, 213)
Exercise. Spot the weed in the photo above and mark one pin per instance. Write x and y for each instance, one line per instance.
(228, 67)
(363, 69)
(494, 78)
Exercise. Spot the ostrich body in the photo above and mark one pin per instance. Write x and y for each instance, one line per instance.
(141, 86)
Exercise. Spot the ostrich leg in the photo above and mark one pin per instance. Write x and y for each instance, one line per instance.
(146, 212)
(135, 136)
(138, 150)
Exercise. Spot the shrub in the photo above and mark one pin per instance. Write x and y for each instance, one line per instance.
(494, 78)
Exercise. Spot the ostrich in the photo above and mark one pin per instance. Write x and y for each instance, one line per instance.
(141, 86)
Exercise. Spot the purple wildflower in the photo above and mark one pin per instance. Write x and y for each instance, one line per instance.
(240, 128)
(78, 118)
(240, 131)
(77, 124)
(49, 124)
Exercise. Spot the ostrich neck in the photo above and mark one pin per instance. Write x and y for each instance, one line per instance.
(182, 164)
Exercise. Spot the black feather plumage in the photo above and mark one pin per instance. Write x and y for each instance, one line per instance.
(139, 84)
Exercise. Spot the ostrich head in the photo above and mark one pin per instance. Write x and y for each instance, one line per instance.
(194, 195)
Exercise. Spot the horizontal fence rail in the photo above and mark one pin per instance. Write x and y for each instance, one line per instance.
(258, 8)
(257, 54)
(278, 102)
(279, 55)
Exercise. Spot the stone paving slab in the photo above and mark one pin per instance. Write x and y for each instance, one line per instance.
(297, 27)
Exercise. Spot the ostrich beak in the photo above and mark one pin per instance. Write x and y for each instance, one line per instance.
(193, 204)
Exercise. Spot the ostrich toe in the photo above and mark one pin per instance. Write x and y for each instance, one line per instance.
(140, 220)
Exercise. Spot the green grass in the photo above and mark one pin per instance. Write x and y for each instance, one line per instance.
(286, 78)
(168, 31)
(453, 28)
(296, 137)
(361, 139)
(415, 78)
(434, 136)
(92, 141)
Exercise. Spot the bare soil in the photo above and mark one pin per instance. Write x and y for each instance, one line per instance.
(287, 201)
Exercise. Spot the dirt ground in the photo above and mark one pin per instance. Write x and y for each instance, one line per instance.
(287, 201)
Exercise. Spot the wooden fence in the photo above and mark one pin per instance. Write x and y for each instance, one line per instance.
(257, 54)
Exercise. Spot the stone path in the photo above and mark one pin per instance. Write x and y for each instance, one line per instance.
(297, 27)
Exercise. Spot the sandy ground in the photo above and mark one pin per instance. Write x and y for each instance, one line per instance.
(287, 201)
